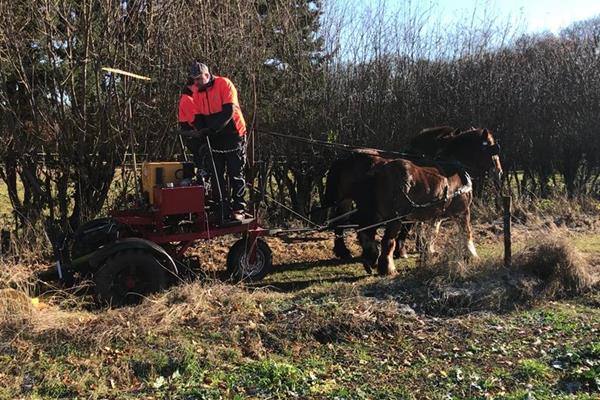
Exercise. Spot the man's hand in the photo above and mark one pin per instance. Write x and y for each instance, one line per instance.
(204, 131)
(200, 133)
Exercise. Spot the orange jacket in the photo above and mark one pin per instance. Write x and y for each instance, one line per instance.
(187, 109)
(210, 100)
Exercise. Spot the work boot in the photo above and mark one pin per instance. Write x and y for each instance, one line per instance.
(238, 215)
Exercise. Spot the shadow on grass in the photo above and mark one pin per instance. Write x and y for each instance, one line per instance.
(292, 286)
(280, 281)
(304, 265)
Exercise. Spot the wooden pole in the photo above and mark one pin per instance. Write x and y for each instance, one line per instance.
(507, 204)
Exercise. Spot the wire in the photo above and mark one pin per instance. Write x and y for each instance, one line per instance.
(381, 153)
(335, 145)
(300, 216)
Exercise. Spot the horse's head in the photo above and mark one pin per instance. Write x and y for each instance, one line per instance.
(478, 149)
(492, 148)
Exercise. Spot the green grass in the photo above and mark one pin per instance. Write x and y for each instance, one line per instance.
(314, 330)
(532, 370)
(589, 244)
(422, 361)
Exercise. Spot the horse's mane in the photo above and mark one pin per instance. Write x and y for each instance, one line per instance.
(452, 145)
(463, 135)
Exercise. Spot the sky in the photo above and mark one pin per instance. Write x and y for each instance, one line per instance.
(537, 15)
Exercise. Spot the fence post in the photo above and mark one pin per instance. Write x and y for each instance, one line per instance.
(507, 205)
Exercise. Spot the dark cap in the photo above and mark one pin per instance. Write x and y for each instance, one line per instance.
(198, 69)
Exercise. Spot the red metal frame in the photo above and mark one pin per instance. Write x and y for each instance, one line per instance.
(179, 200)
(148, 222)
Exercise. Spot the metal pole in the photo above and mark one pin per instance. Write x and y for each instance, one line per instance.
(185, 157)
(507, 205)
(138, 191)
(212, 159)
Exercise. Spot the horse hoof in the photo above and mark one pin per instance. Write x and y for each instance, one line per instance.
(342, 253)
(387, 272)
(386, 269)
(344, 256)
(400, 254)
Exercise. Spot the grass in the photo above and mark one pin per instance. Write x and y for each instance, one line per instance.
(425, 358)
(325, 330)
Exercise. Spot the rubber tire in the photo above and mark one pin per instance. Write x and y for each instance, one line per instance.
(236, 256)
(144, 264)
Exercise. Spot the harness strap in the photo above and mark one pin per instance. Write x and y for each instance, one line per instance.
(468, 187)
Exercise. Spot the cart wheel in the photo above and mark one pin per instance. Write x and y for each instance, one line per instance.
(128, 276)
(241, 268)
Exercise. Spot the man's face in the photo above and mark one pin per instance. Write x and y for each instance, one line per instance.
(202, 80)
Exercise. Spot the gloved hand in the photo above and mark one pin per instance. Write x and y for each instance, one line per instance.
(205, 131)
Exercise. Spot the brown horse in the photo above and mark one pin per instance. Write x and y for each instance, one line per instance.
(346, 175)
(400, 190)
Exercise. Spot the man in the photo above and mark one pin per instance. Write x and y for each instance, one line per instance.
(219, 116)
(186, 118)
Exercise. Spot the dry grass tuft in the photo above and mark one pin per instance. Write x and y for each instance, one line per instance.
(15, 306)
(549, 267)
(213, 306)
(260, 320)
(556, 261)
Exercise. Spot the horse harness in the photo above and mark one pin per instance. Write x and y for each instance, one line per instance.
(465, 188)
(446, 198)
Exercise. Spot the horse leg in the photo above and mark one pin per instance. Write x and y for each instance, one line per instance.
(370, 250)
(385, 265)
(339, 246)
(465, 224)
(400, 250)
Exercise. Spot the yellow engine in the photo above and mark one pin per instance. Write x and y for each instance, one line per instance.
(158, 174)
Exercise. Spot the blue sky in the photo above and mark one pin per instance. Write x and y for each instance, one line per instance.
(537, 15)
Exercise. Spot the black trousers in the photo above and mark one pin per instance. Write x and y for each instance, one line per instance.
(199, 151)
(235, 163)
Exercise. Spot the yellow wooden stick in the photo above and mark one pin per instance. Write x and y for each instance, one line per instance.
(120, 71)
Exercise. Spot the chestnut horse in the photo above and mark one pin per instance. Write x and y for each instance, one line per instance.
(397, 191)
(346, 175)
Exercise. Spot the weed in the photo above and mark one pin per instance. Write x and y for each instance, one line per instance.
(55, 390)
(268, 376)
(532, 370)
